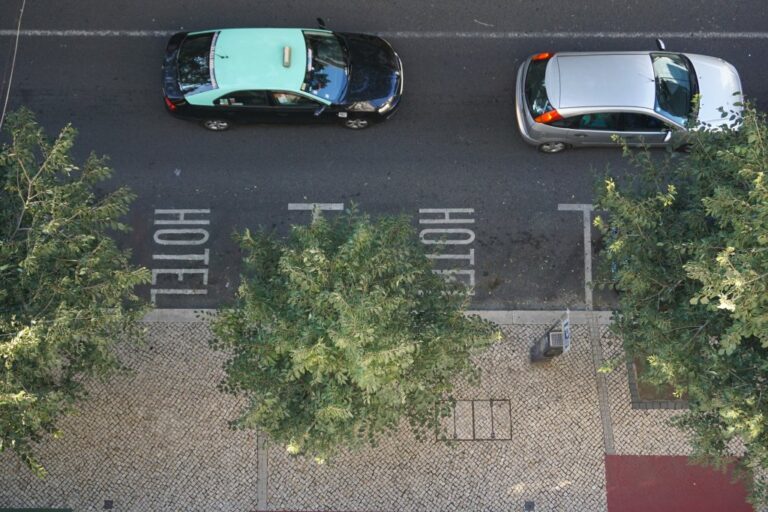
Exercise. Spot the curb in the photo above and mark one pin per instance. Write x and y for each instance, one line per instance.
(501, 317)
(528, 317)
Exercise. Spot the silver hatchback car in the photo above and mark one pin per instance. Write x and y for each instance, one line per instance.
(586, 99)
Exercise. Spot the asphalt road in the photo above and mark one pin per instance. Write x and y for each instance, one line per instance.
(453, 144)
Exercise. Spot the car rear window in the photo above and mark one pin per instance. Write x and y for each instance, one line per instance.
(535, 90)
(194, 63)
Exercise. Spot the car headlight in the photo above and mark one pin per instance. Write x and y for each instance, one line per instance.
(362, 106)
(387, 106)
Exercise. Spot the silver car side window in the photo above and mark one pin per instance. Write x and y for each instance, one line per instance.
(602, 121)
(633, 122)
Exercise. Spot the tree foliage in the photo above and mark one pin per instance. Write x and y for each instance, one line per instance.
(67, 290)
(341, 330)
(688, 249)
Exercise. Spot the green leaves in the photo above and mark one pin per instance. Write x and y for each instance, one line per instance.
(686, 249)
(341, 331)
(67, 289)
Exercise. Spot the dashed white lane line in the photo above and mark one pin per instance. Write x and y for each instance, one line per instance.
(406, 34)
(573, 35)
(586, 209)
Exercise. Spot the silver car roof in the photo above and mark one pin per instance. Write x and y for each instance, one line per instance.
(601, 79)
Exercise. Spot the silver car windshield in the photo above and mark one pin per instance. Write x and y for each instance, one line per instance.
(675, 86)
(535, 88)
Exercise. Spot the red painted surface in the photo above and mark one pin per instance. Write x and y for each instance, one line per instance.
(669, 484)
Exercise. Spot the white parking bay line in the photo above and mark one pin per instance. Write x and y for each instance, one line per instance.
(586, 209)
(319, 206)
(407, 34)
(316, 208)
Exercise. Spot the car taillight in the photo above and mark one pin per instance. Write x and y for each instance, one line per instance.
(542, 56)
(173, 105)
(548, 117)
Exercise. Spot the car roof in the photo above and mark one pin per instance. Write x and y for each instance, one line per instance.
(605, 79)
(252, 58)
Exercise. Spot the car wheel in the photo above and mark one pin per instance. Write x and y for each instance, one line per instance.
(552, 147)
(356, 123)
(216, 125)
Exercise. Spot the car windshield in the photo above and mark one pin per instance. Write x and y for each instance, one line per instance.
(194, 63)
(535, 89)
(675, 86)
(327, 66)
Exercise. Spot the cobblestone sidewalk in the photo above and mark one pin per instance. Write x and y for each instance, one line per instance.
(157, 439)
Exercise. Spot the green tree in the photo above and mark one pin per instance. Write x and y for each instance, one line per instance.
(688, 251)
(341, 331)
(67, 290)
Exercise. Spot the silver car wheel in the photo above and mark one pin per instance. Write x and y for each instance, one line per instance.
(356, 123)
(216, 125)
(552, 147)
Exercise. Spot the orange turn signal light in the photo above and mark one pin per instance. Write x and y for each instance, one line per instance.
(548, 117)
(542, 56)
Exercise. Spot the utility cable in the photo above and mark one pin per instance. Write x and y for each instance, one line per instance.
(13, 63)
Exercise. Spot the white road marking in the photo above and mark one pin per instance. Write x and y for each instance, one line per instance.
(407, 34)
(184, 257)
(451, 275)
(181, 237)
(179, 273)
(181, 216)
(88, 33)
(319, 206)
(446, 215)
(469, 257)
(154, 292)
(316, 208)
(586, 210)
(440, 240)
(447, 236)
(573, 35)
(160, 235)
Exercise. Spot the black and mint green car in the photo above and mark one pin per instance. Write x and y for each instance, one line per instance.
(254, 75)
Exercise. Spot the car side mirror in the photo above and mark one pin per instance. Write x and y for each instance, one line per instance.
(660, 45)
(319, 110)
(668, 136)
(321, 23)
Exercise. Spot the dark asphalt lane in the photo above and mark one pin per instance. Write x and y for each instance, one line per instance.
(367, 15)
(453, 144)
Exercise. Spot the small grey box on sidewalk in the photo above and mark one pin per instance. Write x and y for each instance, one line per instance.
(547, 347)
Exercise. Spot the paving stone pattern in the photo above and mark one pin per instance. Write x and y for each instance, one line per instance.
(153, 440)
(554, 458)
(637, 431)
(157, 439)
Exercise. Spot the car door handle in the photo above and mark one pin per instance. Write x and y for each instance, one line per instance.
(580, 135)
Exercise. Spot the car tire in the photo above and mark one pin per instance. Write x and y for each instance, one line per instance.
(216, 125)
(356, 123)
(553, 147)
